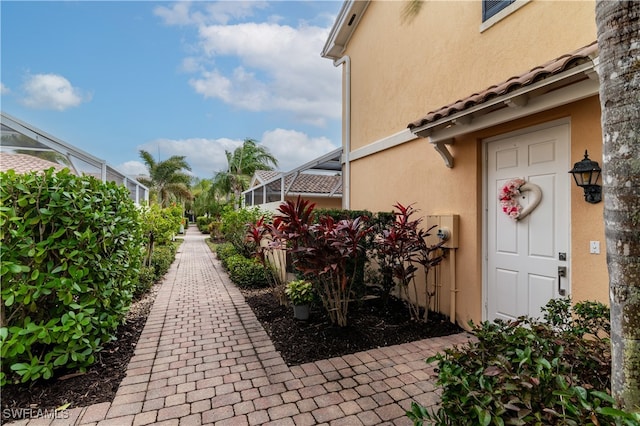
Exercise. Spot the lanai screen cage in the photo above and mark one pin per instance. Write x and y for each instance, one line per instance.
(321, 178)
(25, 148)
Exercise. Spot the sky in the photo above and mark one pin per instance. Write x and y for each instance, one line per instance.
(174, 78)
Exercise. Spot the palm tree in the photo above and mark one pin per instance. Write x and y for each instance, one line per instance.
(242, 163)
(618, 24)
(167, 178)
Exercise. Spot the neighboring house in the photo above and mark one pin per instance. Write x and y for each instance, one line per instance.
(443, 107)
(319, 181)
(24, 148)
(23, 163)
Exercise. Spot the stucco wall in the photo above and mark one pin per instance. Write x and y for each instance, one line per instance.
(415, 173)
(321, 202)
(403, 69)
(400, 70)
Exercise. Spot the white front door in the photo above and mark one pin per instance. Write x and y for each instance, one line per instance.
(524, 258)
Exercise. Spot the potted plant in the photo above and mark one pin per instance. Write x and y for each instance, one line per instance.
(300, 292)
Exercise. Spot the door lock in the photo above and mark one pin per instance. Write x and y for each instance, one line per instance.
(562, 273)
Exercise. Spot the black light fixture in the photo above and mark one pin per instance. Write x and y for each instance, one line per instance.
(586, 174)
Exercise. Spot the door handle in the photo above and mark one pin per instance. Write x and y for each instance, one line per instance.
(562, 273)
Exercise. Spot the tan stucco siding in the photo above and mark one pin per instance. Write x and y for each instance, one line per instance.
(321, 202)
(403, 69)
(590, 280)
(415, 173)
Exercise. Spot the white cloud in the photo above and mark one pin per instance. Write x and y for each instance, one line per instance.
(293, 148)
(4, 89)
(223, 11)
(51, 91)
(133, 168)
(205, 156)
(259, 66)
(178, 14)
(181, 13)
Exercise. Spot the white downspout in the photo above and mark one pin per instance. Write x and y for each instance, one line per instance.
(346, 151)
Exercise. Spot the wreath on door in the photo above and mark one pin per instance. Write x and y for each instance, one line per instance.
(511, 192)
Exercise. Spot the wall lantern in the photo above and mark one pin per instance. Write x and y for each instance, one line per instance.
(586, 174)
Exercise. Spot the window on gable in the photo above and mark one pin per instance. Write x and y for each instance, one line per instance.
(491, 7)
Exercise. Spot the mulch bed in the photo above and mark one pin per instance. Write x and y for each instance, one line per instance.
(371, 325)
(101, 380)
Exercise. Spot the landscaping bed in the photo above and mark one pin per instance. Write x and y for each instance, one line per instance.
(99, 383)
(371, 326)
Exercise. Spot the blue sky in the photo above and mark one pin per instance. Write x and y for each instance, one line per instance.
(174, 78)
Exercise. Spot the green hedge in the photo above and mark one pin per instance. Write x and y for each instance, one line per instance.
(71, 250)
(161, 260)
(203, 223)
(243, 271)
(224, 251)
(246, 272)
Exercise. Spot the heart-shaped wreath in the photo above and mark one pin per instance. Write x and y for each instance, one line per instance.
(510, 193)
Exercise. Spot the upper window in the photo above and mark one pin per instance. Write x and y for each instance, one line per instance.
(491, 7)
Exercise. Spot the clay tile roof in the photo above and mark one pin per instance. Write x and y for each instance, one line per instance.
(534, 75)
(265, 175)
(22, 163)
(316, 184)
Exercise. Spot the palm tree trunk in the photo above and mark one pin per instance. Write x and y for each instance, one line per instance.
(618, 25)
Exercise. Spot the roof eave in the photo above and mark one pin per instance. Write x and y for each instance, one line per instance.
(343, 28)
(465, 116)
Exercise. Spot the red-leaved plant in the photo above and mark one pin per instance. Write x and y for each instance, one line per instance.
(399, 249)
(322, 252)
(259, 237)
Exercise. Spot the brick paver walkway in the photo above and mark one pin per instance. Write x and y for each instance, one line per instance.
(203, 358)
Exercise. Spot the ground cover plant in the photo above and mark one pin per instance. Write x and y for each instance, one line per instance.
(530, 372)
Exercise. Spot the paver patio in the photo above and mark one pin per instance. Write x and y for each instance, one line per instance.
(203, 358)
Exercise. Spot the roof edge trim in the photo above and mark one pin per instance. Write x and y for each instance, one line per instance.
(343, 28)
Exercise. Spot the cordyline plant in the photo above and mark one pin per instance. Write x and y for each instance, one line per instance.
(273, 260)
(400, 249)
(322, 252)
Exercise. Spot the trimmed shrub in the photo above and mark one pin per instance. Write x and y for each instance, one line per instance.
(224, 251)
(146, 279)
(234, 227)
(164, 224)
(71, 249)
(528, 372)
(202, 222)
(162, 258)
(246, 272)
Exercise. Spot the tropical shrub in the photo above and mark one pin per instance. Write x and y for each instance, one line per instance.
(234, 227)
(146, 279)
(162, 258)
(160, 224)
(215, 229)
(272, 259)
(529, 372)
(400, 249)
(246, 272)
(71, 249)
(202, 222)
(224, 251)
(322, 252)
